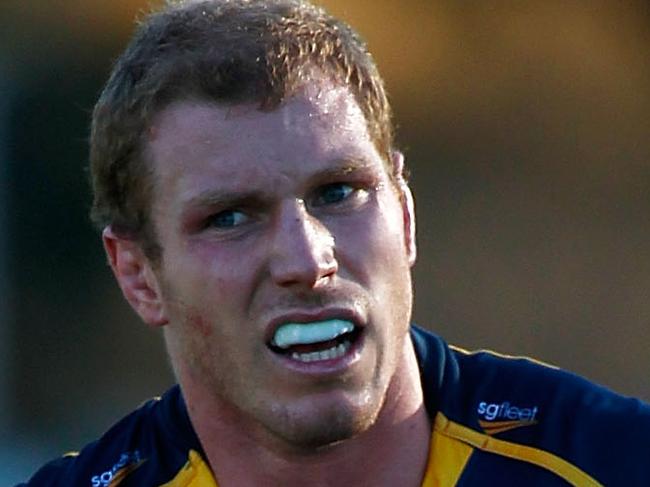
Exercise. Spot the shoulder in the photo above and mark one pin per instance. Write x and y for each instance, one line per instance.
(520, 401)
(143, 448)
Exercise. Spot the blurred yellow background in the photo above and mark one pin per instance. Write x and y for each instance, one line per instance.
(526, 126)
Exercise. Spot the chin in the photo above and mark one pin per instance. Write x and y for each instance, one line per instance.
(324, 426)
(326, 432)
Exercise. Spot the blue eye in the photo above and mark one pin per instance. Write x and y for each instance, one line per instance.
(227, 219)
(334, 193)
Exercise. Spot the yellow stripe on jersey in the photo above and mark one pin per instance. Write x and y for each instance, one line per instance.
(451, 447)
(195, 473)
(447, 459)
(541, 458)
(502, 355)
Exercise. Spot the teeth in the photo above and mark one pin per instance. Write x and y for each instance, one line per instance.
(329, 354)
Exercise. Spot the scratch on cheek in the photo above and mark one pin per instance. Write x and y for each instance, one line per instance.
(199, 323)
(152, 133)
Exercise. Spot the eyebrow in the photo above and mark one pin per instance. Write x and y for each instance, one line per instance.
(345, 166)
(225, 197)
(217, 197)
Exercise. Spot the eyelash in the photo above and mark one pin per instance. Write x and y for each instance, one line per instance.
(222, 214)
(351, 193)
(320, 199)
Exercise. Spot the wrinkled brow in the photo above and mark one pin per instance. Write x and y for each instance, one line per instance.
(223, 196)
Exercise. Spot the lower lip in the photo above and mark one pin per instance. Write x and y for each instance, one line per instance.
(325, 367)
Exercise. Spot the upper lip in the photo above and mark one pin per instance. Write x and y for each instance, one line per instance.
(310, 315)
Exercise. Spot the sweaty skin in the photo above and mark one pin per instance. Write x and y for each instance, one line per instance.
(269, 218)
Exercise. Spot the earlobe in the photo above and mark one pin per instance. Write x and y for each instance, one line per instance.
(135, 277)
(408, 206)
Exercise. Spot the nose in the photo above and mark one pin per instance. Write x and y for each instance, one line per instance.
(302, 248)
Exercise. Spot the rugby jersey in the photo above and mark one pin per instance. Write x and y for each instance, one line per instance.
(496, 421)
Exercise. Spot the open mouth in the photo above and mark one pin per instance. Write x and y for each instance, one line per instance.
(315, 341)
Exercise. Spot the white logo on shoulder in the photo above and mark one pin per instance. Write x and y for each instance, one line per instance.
(506, 411)
(498, 418)
(127, 463)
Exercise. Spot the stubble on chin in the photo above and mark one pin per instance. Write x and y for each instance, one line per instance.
(292, 426)
(305, 433)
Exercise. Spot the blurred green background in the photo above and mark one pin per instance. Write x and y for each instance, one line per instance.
(527, 130)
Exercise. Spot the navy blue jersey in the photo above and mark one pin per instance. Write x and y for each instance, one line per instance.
(495, 421)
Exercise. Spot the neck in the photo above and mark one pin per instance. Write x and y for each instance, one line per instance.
(393, 451)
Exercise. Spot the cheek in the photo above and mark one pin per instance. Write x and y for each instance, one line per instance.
(199, 324)
(198, 296)
(221, 265)
(375, 238)
(209, 273)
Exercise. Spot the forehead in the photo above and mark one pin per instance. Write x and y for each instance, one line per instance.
(321, 122)
(329, 105)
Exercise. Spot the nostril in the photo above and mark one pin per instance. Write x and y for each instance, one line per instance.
(306, 271)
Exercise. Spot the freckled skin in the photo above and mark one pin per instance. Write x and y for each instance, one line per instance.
(222, 286)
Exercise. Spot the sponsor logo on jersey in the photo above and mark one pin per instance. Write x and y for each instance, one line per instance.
(497, 418)
(127, 463)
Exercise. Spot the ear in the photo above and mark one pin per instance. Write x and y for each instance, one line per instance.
(135, 275)
(408, 206)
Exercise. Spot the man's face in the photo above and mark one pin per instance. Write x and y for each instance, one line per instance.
(285, 271)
